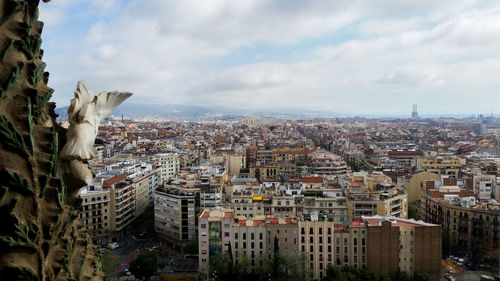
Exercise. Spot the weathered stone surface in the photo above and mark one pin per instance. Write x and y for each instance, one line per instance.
(40, 234)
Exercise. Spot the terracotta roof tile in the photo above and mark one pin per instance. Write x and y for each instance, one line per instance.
(114, 180)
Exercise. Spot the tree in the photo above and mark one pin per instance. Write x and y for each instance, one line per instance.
(230, 254)
(191, 247)
(276, 258)
(109, 262)
(412, 212)
(422, 276)
(144, 266)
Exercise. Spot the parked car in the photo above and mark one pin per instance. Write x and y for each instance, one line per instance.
(113, 246)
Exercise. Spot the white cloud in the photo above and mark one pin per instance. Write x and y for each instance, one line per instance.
(426, 52)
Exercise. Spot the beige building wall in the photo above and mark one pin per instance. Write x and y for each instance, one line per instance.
(332, 207)
(95, 214)
(235, 163)
(287, 234)
(415, 184)
(169, 165)
(248, 206)
(250, 245)
(141, 195)
(316, 241)
(396, 206)
(350, 247)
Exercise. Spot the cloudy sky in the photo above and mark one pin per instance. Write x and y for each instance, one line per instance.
(357, 57)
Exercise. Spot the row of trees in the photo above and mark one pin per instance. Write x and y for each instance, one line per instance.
(281, 266)
(349, 273)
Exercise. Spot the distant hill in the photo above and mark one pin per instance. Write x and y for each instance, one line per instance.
(176, 111)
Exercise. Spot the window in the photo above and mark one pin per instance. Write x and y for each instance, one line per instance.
(226, 234)
(329, 232)
(321, 231)
(252, 236)
(203, 225)
(226, 225)
(236, 235)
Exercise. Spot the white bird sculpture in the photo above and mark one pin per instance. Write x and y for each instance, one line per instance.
(84, 114)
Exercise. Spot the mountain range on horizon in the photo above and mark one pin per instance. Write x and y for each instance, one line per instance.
(180, 111)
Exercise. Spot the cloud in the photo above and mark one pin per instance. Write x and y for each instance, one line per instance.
(350, 56)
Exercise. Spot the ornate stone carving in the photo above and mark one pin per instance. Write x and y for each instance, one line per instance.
(84, 115)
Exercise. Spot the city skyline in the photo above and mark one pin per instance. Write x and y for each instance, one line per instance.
(348, 58)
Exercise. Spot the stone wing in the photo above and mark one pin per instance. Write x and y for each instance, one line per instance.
(83, 96)
(106, 102)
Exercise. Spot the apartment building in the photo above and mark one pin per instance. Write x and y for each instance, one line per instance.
(249, 206)
(350, 244)
(122, 200)
(249, 240)
(469, 227)
(316, 242)
(396, 244)
(286, 231)
(95, 213)
(215, 234)
(483, 186)
(332, 208)
(168, 164)
(175, 209)
(373, 194)
(118, 194)
(327, 163)
(211, 187)
(144, 185)
(442, 164)
(414, 184)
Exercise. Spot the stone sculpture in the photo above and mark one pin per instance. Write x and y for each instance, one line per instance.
(84, 115)
(41, 237)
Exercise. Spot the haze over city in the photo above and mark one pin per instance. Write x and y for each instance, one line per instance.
(347, 57)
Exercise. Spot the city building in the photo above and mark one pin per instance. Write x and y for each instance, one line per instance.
(396, 244)
(168, 164)
(441, 164)
(470, 228)
(373, 194)
(215, 234)
(175, 209)
(316, 242)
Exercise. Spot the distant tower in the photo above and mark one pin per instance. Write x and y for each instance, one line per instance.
(414, 114)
